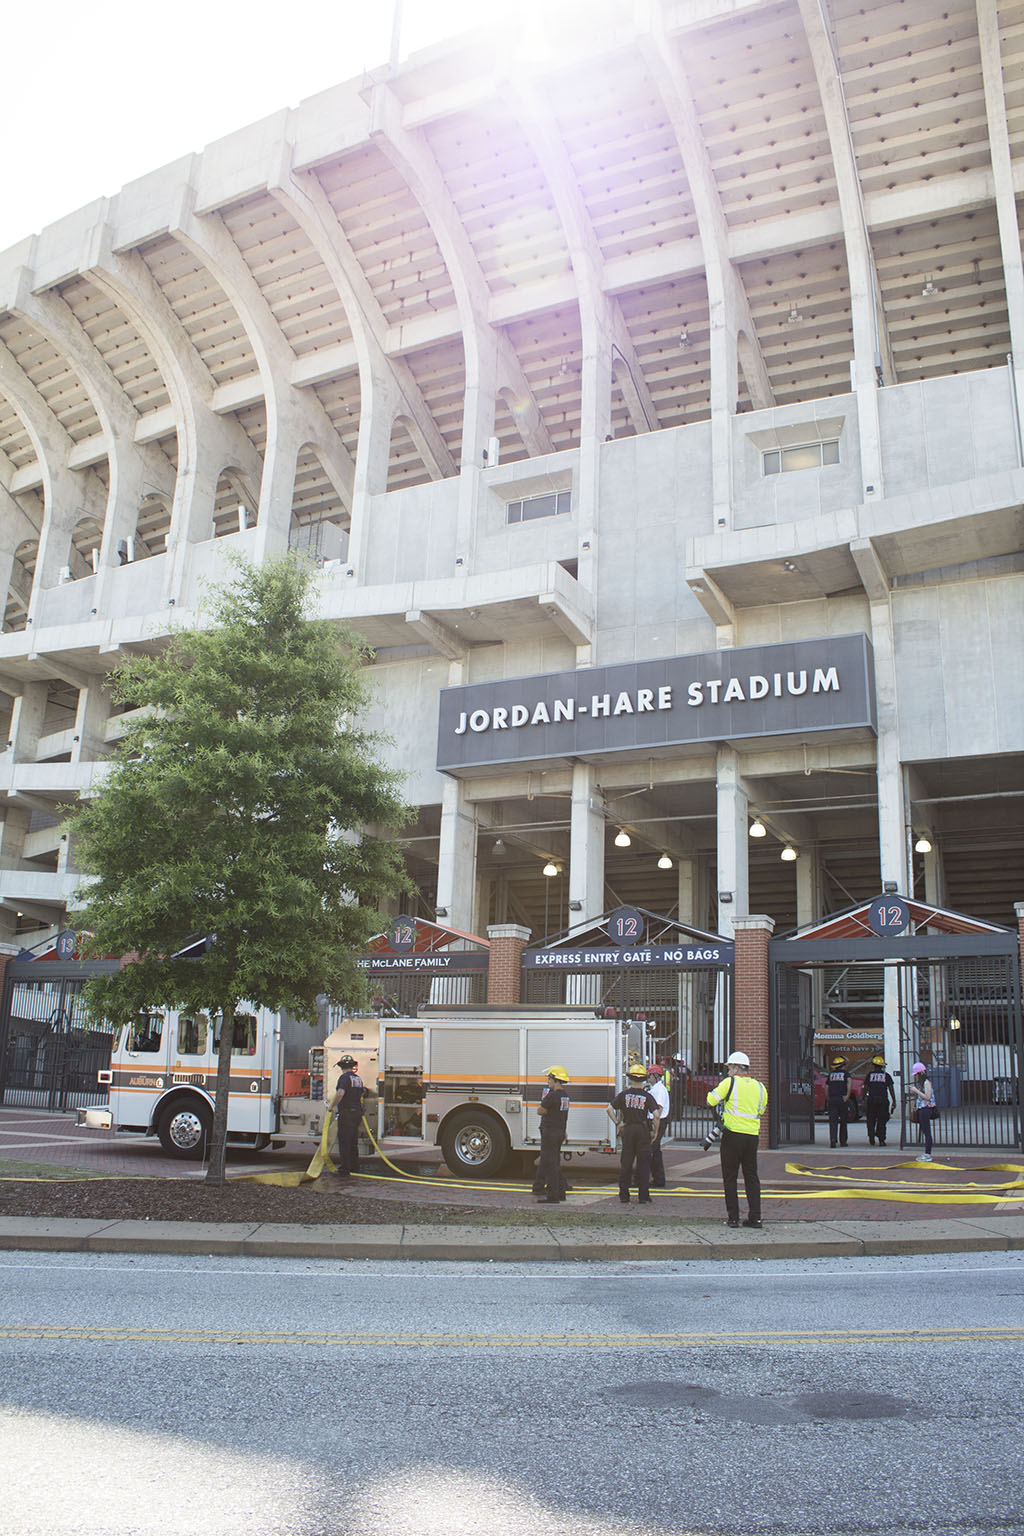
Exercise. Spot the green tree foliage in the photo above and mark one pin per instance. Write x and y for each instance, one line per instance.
(246, 805)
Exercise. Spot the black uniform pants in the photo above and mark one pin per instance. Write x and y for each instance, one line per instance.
(740, 1151)
(837, 1110)
(348, 1140)
(636, 1148)
(876, 1114)
(548, 1177)
(657, 1161)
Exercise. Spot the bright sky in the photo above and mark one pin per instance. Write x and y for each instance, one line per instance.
(94, 95)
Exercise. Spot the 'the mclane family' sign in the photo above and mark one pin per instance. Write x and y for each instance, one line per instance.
(798, 687)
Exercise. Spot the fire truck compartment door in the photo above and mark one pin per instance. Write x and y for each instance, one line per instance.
(585, 1051)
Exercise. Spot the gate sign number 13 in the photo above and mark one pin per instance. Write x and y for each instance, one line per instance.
(626, 926)
(888, 915)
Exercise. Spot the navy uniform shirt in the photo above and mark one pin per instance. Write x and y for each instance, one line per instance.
(350, 1086)
(555, 1103)
(838, 1083)
(635, 1105)
(878, 1084)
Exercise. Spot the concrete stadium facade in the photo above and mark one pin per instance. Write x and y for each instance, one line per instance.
(689, 359)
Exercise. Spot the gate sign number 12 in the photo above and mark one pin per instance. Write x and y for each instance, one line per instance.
(626, 926)
(888, 915)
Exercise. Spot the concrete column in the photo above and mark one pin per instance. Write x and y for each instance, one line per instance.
(751, 999)
(732, 840)
(687, 891)
(456, 859)
(586, 844)
(1005, 192)
(90, 722)
(505, 970)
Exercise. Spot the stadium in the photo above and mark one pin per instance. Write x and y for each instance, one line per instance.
(652, 407)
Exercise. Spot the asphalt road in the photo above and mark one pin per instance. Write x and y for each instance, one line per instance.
(227, 1397)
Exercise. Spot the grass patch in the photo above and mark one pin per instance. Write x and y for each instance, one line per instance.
(42, 1171)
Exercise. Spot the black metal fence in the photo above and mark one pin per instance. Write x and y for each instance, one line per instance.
(686, 1015)
(50, 1049)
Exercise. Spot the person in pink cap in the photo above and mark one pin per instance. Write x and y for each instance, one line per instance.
(924, 1102)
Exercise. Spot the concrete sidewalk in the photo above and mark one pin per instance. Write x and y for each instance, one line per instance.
(782, 1240)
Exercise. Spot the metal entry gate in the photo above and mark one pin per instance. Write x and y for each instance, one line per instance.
(50, 1050)
(956, 1000)
(678, 997)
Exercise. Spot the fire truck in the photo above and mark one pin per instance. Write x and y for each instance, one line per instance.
(465, 1078)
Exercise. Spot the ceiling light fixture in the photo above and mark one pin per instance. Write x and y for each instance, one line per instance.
(758, 828)
(664, 862)
(550, 870)
(929, 290)
(788, 854)
(923, 844)
(499, 850)
(794, 317)
(622, 838)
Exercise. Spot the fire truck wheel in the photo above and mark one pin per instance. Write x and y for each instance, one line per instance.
(475, 1144)
(184, 1128)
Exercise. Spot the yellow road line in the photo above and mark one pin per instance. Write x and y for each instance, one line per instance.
(65, 1333)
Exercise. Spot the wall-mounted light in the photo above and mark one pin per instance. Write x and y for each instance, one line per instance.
(622, 838)
(923, 844)
(794, 317)
(499, 850)
(954, 1023)
(788, 565)
(757, 828)
(441, 912)
(575, 906)
(929, 290)
(788, 854)
(664, 862)
(550, 870)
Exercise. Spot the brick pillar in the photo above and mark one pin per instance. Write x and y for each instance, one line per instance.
(751, 995)
(505, 970)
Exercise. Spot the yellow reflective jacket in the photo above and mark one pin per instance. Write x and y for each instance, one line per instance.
(747, 1103)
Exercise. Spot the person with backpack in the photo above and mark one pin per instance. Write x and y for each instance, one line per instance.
(742, 1100)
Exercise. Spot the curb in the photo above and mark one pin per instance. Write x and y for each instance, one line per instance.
(454, 1244)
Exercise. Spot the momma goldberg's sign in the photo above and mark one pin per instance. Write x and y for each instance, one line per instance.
(796, 688)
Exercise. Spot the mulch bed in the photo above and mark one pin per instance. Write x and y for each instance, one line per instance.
(237, 1200)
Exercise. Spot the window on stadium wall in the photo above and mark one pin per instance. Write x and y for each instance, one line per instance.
(669, 984)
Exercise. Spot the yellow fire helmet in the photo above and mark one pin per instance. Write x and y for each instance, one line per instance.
(559, 1074)
(878, 1061)
(839, 1061)
(637, 1069)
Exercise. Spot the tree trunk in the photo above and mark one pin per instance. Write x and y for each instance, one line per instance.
(219, 1132)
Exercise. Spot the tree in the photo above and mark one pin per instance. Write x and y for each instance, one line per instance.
(246, 806)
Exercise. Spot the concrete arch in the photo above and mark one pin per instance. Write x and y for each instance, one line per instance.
(19, 588)
(235, 503)
(320, 522)
(152, 527)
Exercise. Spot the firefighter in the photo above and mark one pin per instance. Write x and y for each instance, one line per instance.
(548, 1180)
(742, 1100)
(348, 1102)
(879, 1100)
(658, 1090)
(636, 1111)
(838, 1101)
